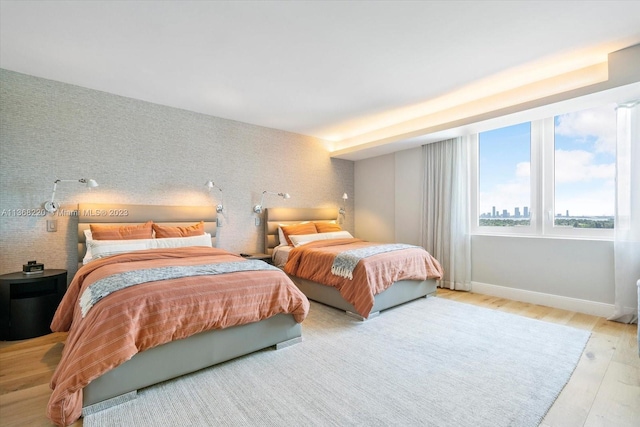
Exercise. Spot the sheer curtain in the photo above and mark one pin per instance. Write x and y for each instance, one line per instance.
(627, 222)
(445, 224)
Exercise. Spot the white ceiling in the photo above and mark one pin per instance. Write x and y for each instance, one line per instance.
(329, 69)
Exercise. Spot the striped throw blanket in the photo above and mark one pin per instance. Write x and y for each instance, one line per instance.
(103, 287)
(346, 261)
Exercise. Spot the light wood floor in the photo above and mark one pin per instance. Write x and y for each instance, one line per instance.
(603, 391)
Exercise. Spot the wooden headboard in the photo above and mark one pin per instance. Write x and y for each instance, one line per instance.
(123, 214)
(275, 216)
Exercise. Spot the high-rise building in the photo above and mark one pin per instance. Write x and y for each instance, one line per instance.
(493, 212)
(526, 211)
(516, 212)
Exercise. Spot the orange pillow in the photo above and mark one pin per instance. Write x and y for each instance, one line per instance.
(306, 228)
(327, 227)
(122, 232)
(163, 231)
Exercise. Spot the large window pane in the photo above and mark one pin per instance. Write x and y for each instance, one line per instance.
(585, 165)
(504, 163)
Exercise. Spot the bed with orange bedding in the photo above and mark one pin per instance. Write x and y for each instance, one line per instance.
(390, 275)
(138, 318)
(371, 276)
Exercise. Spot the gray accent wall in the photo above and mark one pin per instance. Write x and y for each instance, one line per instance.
(143, 153)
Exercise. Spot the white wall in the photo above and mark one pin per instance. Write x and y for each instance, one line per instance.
(558, 269)
(408, 196)
(388, 197)
(374, 199)
(567, 273)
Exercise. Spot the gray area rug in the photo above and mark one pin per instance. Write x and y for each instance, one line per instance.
(431, 362)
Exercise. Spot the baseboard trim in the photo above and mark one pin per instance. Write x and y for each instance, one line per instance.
(556, 301)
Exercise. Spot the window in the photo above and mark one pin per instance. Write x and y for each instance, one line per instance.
(504, 159)
(585, 168)
(554, 176)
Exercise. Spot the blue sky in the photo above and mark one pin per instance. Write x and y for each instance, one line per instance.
(584, 160)
(504, 156)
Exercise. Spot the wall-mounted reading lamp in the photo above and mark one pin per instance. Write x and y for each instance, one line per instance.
(343, 209)
(258, 208)
(210, 185)
(51, 206)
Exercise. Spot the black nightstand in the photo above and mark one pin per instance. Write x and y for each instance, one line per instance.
(262, 257)
(28, 303)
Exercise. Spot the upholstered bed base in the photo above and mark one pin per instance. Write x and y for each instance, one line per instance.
(183, 356)
(188, 355)
(398, 293)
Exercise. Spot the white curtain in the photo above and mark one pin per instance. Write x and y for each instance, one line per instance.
(445, 224)
(627, 221)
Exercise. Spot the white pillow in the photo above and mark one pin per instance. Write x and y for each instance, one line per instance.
(179, 242)
(301, 239)
(100, 248)
(103, 248)
(87, 238)
(281, 239)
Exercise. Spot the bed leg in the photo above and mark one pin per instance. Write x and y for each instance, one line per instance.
(109, 403)
(357, 316)
(288, 343)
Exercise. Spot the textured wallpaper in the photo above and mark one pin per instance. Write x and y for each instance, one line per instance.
(146, 154)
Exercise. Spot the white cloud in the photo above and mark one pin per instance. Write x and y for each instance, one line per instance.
(578, 166)
(596, 202)
(598, 123)
(523, 169)
(507, 196)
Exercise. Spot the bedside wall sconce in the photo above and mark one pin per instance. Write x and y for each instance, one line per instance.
(51, 206)
(258, 208)
(210, 185)
(343, 209)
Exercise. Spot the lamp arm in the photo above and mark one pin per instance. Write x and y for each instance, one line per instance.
(210, 185)
(55, 185)
(258, 208)
(262, 199)
(51, 206)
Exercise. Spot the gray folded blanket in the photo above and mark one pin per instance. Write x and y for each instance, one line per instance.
(346, 261)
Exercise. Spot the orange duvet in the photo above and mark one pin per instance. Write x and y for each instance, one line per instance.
(372, 275)
(143, 316)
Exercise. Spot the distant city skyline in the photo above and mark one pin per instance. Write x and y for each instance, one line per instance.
(505, 213)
